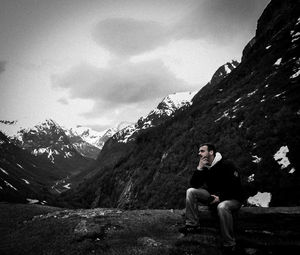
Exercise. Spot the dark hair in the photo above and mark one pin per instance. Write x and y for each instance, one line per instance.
(210, 147)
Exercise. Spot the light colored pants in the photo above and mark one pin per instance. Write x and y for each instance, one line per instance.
(195, 197)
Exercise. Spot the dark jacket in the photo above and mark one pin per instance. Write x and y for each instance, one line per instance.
(222, 180)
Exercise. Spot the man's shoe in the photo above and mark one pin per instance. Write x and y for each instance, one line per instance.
(189, 229)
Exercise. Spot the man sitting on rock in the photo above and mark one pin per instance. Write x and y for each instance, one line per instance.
(215, 183)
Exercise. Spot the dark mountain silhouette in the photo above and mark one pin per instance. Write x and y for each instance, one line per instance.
(252, 115)
(37, 163)
(23, 176)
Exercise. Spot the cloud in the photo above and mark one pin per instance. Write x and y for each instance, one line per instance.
(63, 101)
(98, 127)
(221, 21)
(214, 20)
(128, 37)
(119, 85)
(2, 66)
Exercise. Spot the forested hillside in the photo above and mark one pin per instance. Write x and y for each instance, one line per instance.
(252, 116)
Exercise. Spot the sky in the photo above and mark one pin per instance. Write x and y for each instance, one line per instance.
(97, 63)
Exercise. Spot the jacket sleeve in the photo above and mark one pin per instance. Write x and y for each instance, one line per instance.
(197, 179)
(233, 188)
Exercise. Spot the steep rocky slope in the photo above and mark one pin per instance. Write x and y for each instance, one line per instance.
(252, 115)
(164, 111)
(24, 177)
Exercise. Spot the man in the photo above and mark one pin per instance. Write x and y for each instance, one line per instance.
(215, 183)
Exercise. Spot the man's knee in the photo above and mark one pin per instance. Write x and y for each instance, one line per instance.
(222, 207)
(190, 193)
(197, 193)
(229, 205)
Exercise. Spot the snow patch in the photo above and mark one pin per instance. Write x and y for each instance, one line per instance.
(9, 185)
(227, 69)
(280, 94)
(278, 62)
(27, 182)
(225, 115)
(295, 75)
(32, 201)
(20, 166)
(238, 100)
(268, 47)
(281, 158)
(292, 171)
(3, 171)
(241, 124)
(295, 36)
(260, 199)
(256, 159)
(68, 154)
(251, 178)
(164, 156)
(181, 99)
(67, 186)
(252, 93)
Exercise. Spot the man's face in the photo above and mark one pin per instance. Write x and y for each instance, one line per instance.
(205, 154)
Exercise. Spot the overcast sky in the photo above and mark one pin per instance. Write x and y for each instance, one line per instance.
(97, 63)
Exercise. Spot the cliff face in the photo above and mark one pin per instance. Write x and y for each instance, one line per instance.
(252, 115)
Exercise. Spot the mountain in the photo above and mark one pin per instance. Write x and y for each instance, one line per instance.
(89, 142)
(223, 71)
(49, 140)
(68, 151)
(85, 141)
(165, 110)
(252, 115)
(24, 177)
(125, 133)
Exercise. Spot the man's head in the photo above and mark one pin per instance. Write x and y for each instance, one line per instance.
(208, 151)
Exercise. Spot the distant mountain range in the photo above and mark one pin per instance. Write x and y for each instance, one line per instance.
(69, 153)
(251, 114)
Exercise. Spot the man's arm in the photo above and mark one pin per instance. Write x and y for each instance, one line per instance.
(233, 187)
(197, 179)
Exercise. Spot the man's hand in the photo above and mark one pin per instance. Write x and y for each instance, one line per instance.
(203, 161)
(216, 199)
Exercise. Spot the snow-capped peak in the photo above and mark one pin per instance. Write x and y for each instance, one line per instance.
(177, 100)
(84, 132)
(10, 128)
(223, 71)
(165, 109)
